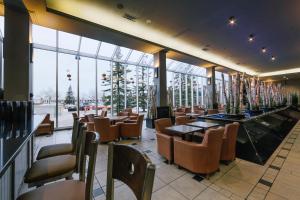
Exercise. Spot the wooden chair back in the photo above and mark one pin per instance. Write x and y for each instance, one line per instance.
(89, 147)
(132, 167)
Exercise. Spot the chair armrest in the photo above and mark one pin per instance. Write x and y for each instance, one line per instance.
(90, 126)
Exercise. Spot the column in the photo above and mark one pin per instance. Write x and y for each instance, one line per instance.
(17, 53)
(211, 87)
(160, 78)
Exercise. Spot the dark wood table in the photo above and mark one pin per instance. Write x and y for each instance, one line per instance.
(193, 115)
(114, 119)
(204, 125)
(184, 131)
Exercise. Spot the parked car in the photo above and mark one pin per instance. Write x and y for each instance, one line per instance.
(71, 107)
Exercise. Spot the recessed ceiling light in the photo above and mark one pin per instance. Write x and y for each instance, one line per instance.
(264, 50)
(148, 21)
(251, 38)
(120, 6)
(273, 58)
(232, 20)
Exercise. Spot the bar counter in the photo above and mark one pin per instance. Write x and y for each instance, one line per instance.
(16, 154)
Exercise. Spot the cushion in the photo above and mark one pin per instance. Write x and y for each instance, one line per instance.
(55, 150)
(50, 167)
(63, 190)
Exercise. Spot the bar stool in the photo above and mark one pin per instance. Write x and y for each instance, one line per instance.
(56, 167)
(62, 149)
(72, 189)
(132, 167)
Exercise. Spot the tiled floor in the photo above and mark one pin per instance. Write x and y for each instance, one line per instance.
(278, 179)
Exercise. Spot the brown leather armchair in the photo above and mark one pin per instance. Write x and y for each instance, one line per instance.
(229, 141)
(107, 131)
(132, 129)
(131, 115)
(182, 120)
(212, 111)
(201, 158)
(46, 127)
(164, 140)
(177, 114)
(103, 113)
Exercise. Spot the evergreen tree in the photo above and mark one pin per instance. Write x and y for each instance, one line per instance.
(142, 88)
(70, 99)
(118, 86)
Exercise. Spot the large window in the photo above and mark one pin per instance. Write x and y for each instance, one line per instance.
(44, 86)
(67, 88)
(77, 74)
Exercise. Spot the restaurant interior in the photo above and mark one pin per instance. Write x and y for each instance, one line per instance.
(162, 100)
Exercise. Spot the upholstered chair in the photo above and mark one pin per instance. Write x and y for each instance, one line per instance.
(46, 127)
(182, 120)
(81, 189)
(229, 141)
(107, 131)
(177, 114)
(132, 129)
(103, 113)
(212, 111)
(62, 148)
(57, 167)
(164, 139)
(201, 158)
(131, 114)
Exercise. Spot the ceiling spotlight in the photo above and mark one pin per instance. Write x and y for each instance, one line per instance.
(251, 38)
(264, 50)
(148, 21)
(273, 58)
(232, 20)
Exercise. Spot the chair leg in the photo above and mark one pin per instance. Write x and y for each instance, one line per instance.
(207, 176)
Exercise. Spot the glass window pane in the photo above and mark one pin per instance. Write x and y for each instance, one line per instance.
(147, 58)
(122, 53)
(135, 56)
(177, 87)
(2, 25)
(68, 41)
(44, 90)
(89, 45)
(142, 88)
(118, 89)
(107, 49)
(43, 35)
(104, 85)
(67, 89)
(87, 88)
(131, 87)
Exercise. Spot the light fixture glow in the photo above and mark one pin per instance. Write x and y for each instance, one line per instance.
(232, 21)
(264, 50)
(280, 72)
(251, 38)
(273, 58)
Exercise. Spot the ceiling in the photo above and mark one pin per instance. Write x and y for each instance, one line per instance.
(200, 24)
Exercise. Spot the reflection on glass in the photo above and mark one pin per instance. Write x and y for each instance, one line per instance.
(67, 89)
(44, 90)
(68, 41)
